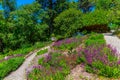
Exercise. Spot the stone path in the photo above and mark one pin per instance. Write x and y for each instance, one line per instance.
(114, 41)
(79, 73)
(20, 74)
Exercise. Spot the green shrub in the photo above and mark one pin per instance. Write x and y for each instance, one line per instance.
(68, 22)
(117, 33)
(101, 28)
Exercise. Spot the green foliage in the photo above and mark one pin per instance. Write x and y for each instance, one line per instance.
(67, 44)
(22, 27)
(107, 71)
(117, 33)
(95, 18)
(10, 65)
(25, 50)
(42, 51)
(99, 58)
(95, 39)
(68, 22)
(56, 67)
(8, 5)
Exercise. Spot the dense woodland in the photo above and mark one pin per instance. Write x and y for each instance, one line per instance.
(39, 21)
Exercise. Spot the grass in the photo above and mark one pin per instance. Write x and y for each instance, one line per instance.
(25, 50)
(11, 65)
(42, 52)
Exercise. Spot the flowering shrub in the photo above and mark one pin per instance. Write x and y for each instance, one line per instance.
(30, 69)
(102, 60)
(55, 66)
(67, 44)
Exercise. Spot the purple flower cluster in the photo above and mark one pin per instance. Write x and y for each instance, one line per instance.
(66, 41)
(113, 50)
(101, 53)
(30, 69)
(47, 58)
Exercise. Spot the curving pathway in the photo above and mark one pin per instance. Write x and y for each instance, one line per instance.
(114, 41)
(20, 74)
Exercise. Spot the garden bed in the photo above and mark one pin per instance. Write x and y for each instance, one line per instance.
(97, 57)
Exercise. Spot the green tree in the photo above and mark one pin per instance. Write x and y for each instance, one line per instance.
(25, 25)
(68, 22)
(53, 7)
(96, 17)
(8, 6)
(85, 5)
(2, 23)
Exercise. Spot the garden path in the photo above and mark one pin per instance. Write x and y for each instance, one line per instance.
(20, 73)
(114, 41)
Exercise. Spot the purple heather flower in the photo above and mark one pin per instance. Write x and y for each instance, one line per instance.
(118, 62)
(37, 66)
(30, 69)
(47, 57)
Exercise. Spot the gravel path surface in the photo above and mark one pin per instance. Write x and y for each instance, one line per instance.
(20, 74)
(79, 73)
(114, 41)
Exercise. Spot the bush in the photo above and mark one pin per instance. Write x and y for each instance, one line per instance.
(99, 28)
(117, 33)
(68, 22)
(96, 21)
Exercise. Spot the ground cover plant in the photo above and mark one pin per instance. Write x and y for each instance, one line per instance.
(53, 66)
(97, 58)
(100, 59)
(95, 39)
(69, 43)
(23, 27)
(42, 52)
(11, 65)
(15, 58)
(24, 50)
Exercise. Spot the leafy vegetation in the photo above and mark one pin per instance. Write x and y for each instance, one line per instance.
(42, 51)
(95, 39)
(26, 28)
(11, 65)
(100, 58)
(97, 58)
(68, 22)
